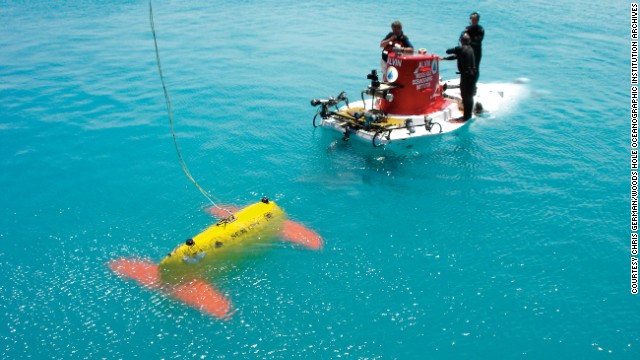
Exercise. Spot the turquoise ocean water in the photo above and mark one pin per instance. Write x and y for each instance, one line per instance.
(508, 239)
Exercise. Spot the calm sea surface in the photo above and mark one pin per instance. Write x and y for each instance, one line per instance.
(508, 239)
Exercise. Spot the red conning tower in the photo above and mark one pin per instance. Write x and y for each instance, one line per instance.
(418, 85)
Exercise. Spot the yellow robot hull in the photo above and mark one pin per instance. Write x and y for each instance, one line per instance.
(255, 223)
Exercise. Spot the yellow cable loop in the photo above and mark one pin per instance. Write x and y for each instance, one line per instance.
(175, 140)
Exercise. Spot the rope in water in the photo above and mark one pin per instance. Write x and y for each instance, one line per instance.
(175, 141)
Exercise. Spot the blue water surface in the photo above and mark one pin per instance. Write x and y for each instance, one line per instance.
(507, 239)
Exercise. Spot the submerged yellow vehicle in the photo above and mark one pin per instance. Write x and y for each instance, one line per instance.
(185, 273)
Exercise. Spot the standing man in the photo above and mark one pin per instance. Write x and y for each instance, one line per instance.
(396, 39)
(476, 34)
(467, 71)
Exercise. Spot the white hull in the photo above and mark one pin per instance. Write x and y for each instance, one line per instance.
(440, 123)
(492, 98)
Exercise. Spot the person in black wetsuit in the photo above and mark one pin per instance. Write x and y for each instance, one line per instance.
(476, 34)
(467, 70)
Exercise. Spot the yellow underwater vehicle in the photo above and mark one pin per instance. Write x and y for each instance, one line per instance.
(182, 273)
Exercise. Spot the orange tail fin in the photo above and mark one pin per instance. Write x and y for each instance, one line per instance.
(143, 272)
(299, 234)
(195, 293)
(202, 296)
